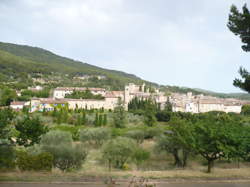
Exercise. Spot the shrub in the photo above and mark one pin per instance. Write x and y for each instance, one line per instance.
(117, 151)
(140, 156)
(40, 162)
(163, 116)
(95, 136)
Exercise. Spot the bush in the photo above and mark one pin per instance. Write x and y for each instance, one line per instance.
(40, 162)
(137, 135)
(163, 116)
(66, 155)
(95, 136)
(140, 156)
(118, 151)
(7, 157)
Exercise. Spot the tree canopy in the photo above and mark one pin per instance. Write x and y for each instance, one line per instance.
(239, 24)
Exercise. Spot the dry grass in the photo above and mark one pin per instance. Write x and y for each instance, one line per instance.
(159, 167)
(100, 174)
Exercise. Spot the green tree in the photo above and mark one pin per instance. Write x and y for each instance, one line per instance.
(96, 122)
(118, 151)
(239, 24)
(105, 120)
(150, 112)
(168, 106)
(6, 116)
(245, 110)
(174, 141)
(30, 130)
(95, 136)
(7, 96)
(212, 136)
(84, 118)
(119, 115)
(67, 156)
(137, 135)
(7, 151)
(100, 121)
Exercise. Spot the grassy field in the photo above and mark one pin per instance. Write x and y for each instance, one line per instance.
(159, 167)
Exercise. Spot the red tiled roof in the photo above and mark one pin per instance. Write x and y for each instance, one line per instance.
(17, 103)
(79, 89)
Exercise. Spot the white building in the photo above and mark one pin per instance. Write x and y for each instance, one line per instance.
(18, 105)
(200, 103)
(61, 92)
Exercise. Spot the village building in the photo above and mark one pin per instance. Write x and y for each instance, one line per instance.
(35, 89)
(180, 102)
(200, 103)
(61, 92)
(18, 105)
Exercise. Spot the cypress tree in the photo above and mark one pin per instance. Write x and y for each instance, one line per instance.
(96, 122)
(100, 120)
(83, 118)
(79, 120)
(105, 120)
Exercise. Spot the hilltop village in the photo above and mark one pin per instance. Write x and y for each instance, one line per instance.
(109, 99)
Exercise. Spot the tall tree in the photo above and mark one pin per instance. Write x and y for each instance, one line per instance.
(239, 24)
(119, 115)
(150, 111)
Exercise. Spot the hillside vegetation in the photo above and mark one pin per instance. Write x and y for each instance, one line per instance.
(20, 63)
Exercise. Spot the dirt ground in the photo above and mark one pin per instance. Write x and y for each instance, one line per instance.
(165, 184)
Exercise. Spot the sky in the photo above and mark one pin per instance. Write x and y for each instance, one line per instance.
(181, 43)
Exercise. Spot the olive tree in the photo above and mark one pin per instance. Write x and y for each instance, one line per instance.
(95, 136)
(138, 135)
(118, 151)
(66, 155)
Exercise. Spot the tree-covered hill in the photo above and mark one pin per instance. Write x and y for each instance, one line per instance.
(15, 60)
(20, 63)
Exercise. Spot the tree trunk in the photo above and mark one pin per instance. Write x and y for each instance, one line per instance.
(109, 163)
(209, 166)
(177, 162)
(184, 160)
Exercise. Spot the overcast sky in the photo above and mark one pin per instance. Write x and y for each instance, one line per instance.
(183, 43)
